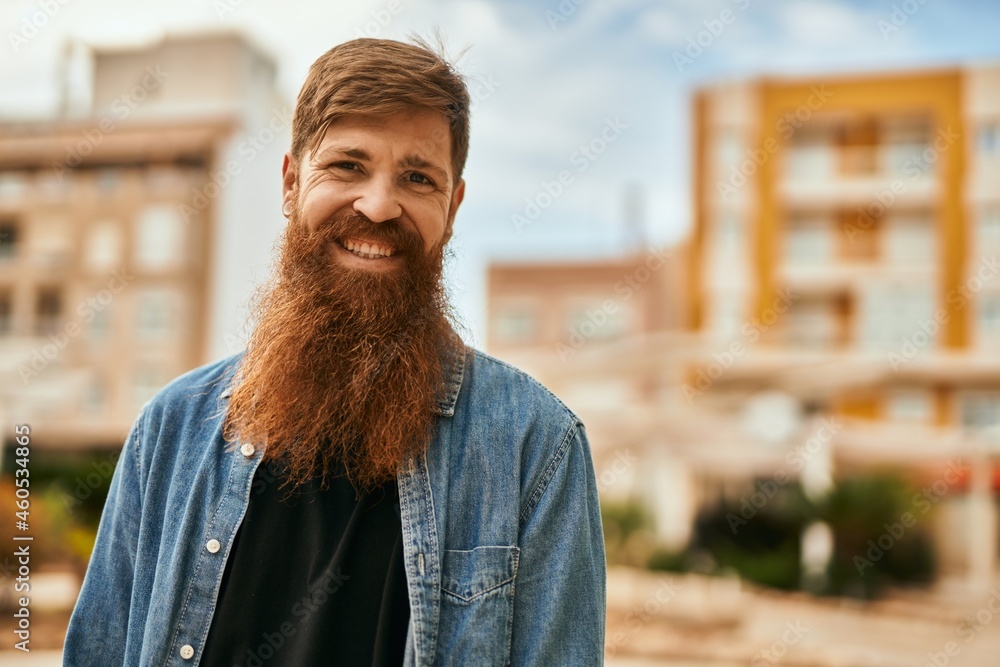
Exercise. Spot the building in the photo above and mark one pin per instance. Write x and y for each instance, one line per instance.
(566, 304)
(842, 293)
(852, 224)
(586, 329)
(560, 318)
(871, 203)
(129, 226)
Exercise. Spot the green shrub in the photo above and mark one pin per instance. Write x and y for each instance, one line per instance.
(873, 549)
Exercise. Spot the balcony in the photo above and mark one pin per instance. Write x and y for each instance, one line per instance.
(825, 175)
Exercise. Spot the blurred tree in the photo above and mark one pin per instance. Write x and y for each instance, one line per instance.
(880, 537)
(628, 533)
(762, 544)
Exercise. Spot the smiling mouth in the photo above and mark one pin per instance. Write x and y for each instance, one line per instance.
(367, 249)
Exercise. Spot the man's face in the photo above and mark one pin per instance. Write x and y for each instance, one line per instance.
(346, 360)
(395, 167)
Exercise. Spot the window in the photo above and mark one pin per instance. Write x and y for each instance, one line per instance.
(811, 155)
(94, 397)
(100, 325)
(728, 236)
(989, 139)
(157, 314)
(593, 321)
(515, 324)
(910, 405)
(904, 142)
(898, 317)
(55, 185)
(728, 152)
(8, 239)
(906, 159)
(6, 313)
(989, 228)
(104, 246)
(50, 239)
(13, 185)
(159, 237)
(812, 325)
(809, 240)
(599, 393)
(48, 311)
(809, 162)
(989, 319)
(165, 179)
(726, 314)
(910, 240)
(108, 181)
(980, 410)
(725, 245)
(145, 383)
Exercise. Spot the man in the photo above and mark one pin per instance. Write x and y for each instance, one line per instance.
(357, 487)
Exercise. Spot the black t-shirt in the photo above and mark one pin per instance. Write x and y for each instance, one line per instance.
(313, 579)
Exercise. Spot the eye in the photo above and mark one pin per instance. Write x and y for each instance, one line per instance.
(346, 166)
(419, 179)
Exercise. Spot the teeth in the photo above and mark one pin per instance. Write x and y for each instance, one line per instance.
(367, 250)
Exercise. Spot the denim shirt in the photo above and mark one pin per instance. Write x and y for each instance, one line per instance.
(502, 536)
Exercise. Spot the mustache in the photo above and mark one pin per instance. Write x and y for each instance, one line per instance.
(390, 232)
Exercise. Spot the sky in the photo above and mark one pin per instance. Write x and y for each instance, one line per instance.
(551, 76)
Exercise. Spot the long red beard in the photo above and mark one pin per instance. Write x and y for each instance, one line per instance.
(344, 367)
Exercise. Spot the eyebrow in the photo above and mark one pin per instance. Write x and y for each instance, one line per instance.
(355, 153)
(411, 161)
(416, 162)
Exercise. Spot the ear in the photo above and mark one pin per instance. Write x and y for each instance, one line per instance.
(289, 179)
(456, 200)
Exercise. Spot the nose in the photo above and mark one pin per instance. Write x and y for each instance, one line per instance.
(377, 200)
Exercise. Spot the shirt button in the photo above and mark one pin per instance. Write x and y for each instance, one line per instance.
(187, 651)
(247, 449)
(213, 546)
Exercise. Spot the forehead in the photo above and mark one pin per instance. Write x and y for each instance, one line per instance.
(423, 132)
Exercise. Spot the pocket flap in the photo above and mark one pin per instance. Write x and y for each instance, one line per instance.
(469, 574)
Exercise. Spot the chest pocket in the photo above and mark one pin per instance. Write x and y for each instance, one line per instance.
(477, 605)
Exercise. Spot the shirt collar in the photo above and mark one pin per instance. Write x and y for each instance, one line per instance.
(454, 373)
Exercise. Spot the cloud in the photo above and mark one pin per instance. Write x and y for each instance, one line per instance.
(663, 26)
(824, 23)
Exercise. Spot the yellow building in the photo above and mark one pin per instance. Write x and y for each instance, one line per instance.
(873, 202)
(847, 233)
(840, 307)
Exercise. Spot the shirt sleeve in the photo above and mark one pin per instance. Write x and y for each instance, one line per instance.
(559, 593)
(98, 626)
